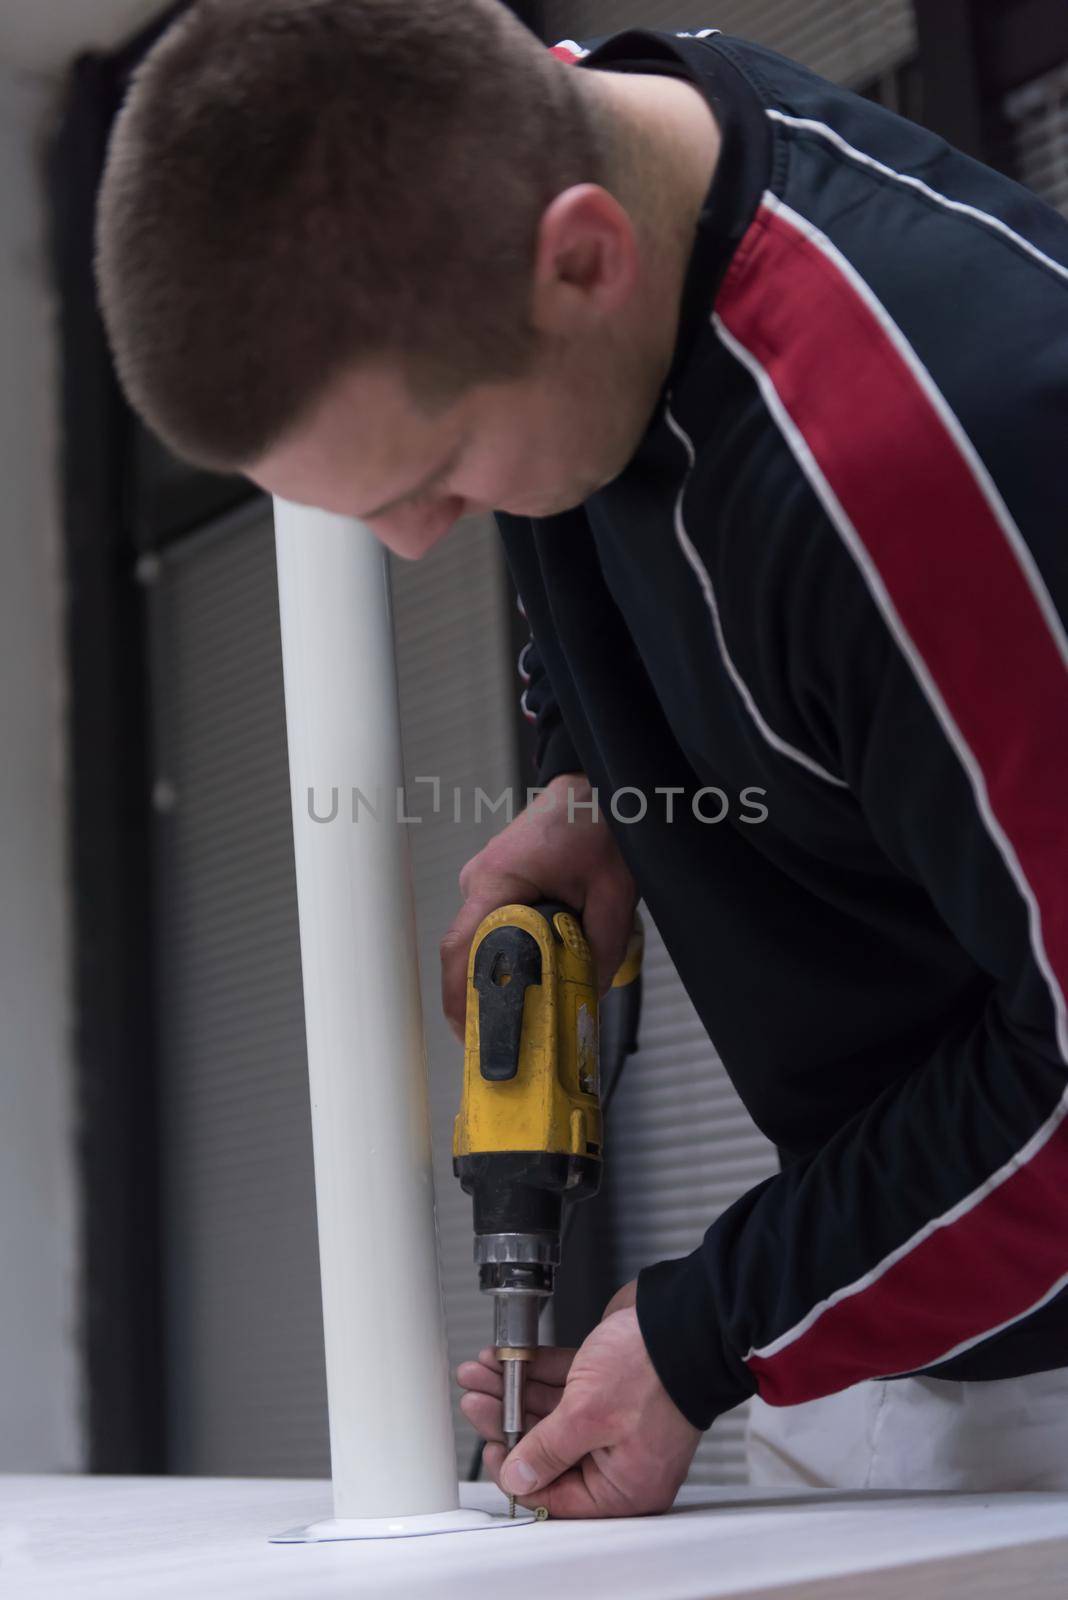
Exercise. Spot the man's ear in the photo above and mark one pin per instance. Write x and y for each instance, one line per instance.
(586, 261)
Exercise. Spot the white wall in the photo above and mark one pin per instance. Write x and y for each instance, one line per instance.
(40, 1401)
(43, 35)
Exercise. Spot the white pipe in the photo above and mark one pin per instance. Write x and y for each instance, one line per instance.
(391, 1436)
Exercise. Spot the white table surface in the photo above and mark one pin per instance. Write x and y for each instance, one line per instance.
(143, 1538)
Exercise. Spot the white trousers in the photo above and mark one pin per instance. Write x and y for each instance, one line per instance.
(918, 1433)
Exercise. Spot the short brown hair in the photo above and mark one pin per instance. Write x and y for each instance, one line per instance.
(298, 186)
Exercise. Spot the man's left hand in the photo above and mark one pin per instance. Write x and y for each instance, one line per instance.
(609, 1442)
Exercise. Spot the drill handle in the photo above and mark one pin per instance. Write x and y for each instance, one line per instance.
(631, 964)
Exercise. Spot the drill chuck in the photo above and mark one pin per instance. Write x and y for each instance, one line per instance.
(518, 1270)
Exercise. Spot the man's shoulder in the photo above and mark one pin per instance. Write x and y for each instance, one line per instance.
(861, 173)
(891, 289)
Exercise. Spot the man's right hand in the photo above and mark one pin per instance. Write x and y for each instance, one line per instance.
(544, 856)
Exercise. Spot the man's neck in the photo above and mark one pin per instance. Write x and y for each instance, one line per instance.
(671, 144)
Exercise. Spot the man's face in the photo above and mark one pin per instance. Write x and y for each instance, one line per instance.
(605, 313)
(533, 446)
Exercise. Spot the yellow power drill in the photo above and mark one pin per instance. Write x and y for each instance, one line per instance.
(529, 1133)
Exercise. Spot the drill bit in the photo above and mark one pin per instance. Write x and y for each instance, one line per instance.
(514, 1386)
(511, 1440)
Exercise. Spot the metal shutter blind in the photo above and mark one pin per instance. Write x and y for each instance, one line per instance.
(242, 1313)
(247, 1388)
(1036, 143)
(680, 1147)
(847, 40)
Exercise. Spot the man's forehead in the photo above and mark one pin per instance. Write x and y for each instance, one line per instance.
(366, 444)
(376, 406)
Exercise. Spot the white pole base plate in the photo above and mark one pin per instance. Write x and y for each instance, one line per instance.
(462, 1521)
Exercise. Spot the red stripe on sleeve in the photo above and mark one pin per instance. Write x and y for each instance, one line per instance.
(942, 1294)
(921, 523)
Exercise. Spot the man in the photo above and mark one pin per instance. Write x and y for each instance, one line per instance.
(768, 389)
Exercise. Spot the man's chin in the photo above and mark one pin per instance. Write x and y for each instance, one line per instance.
(547, 508)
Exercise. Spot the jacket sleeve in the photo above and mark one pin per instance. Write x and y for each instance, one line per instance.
(554, 752)
(931, 1232)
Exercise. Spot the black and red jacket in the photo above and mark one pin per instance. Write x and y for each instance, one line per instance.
(836, 569)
